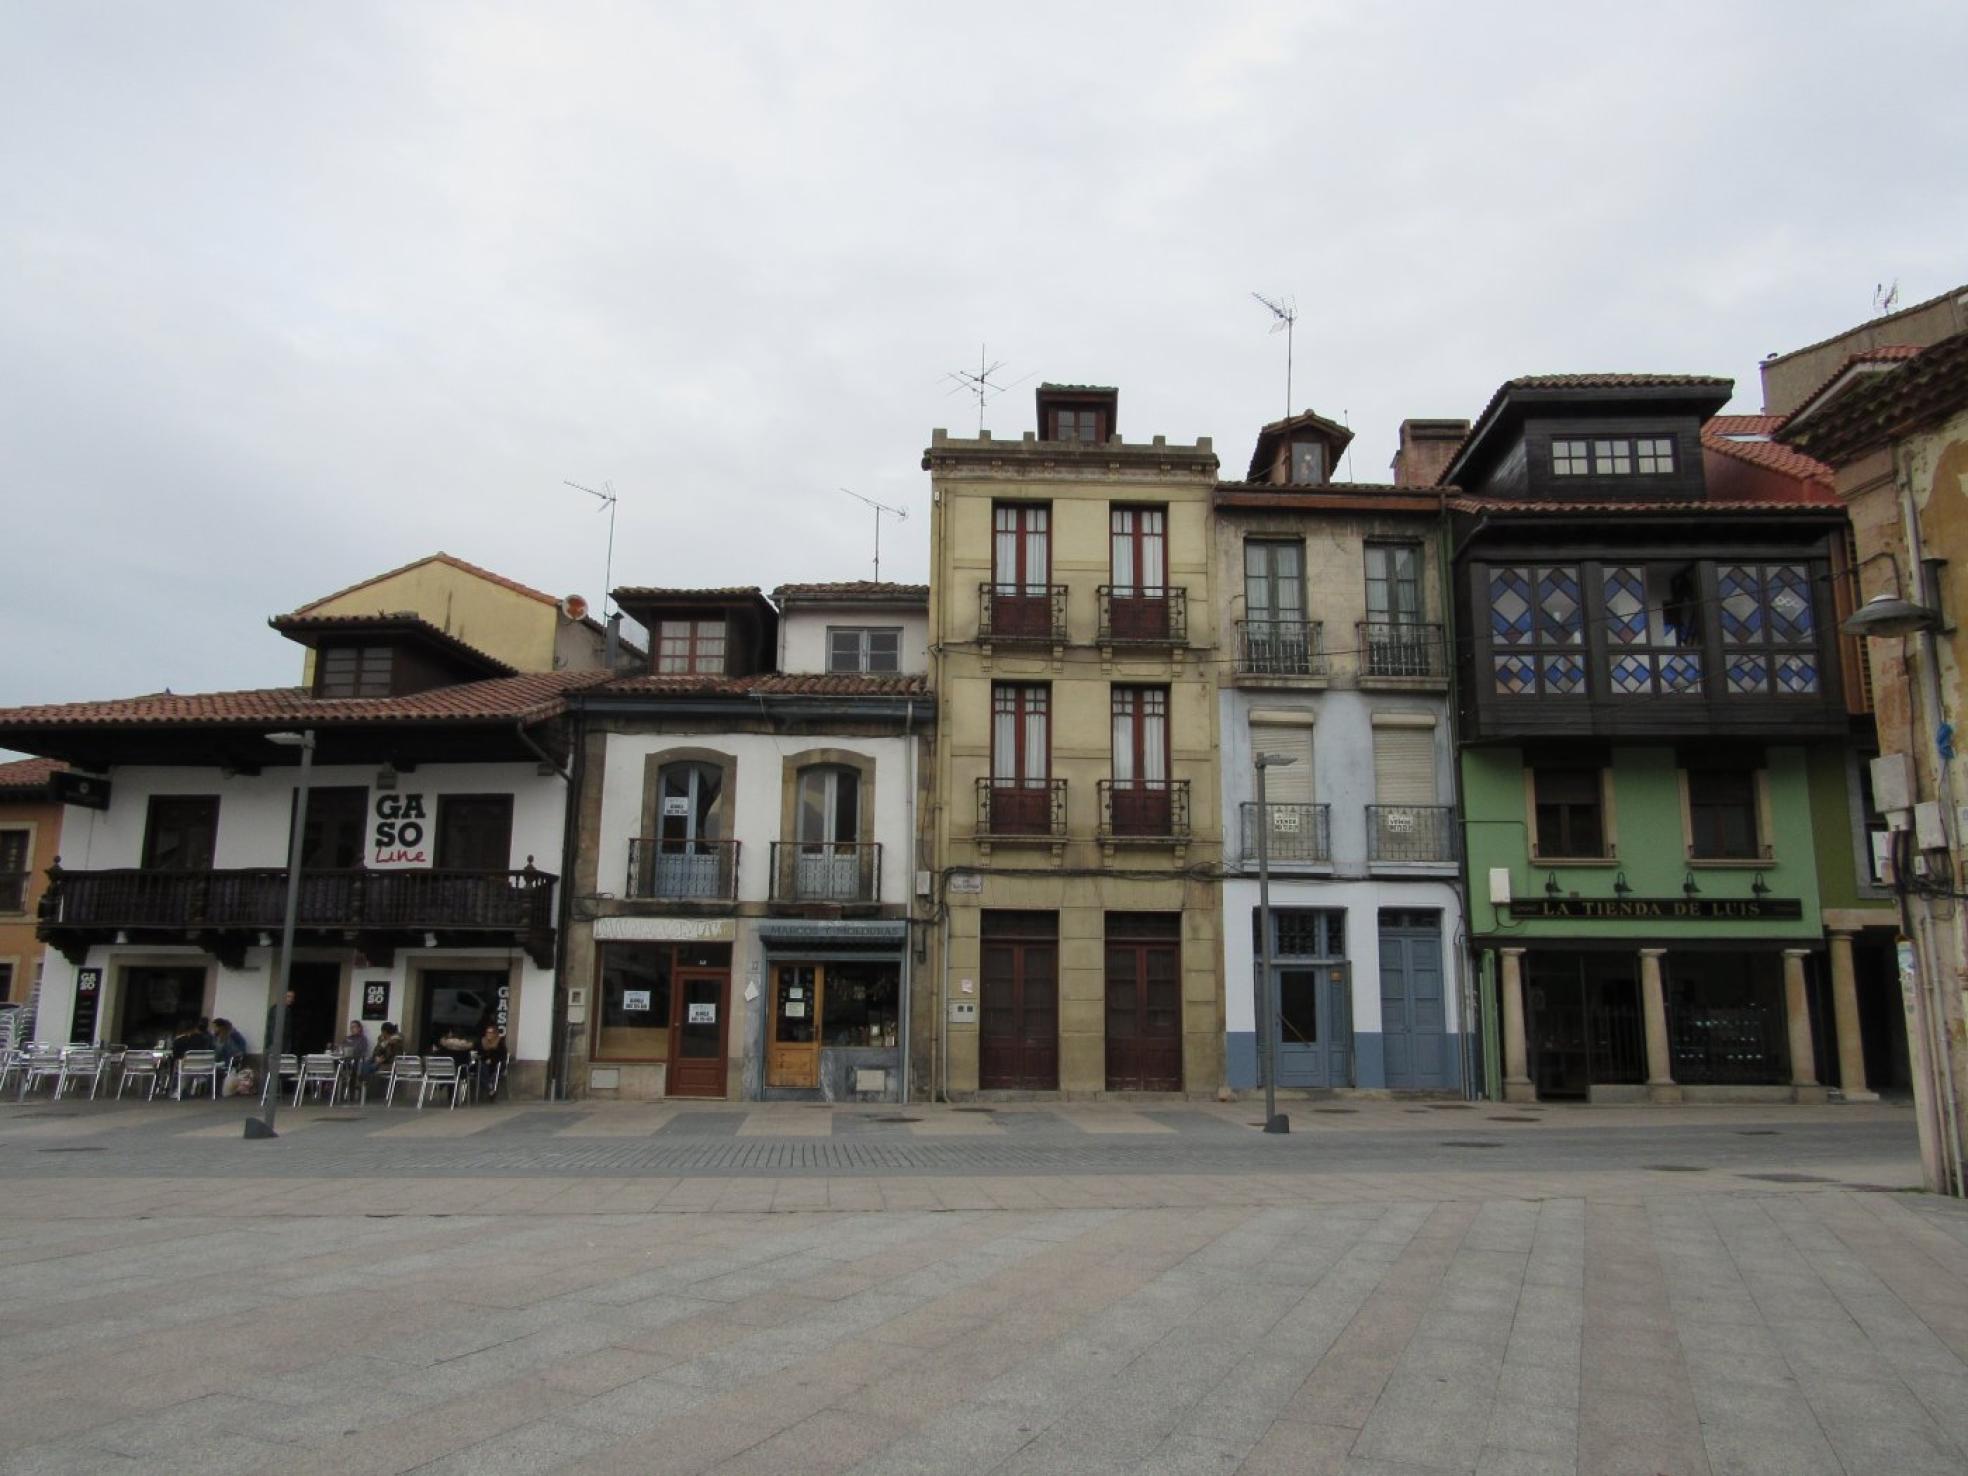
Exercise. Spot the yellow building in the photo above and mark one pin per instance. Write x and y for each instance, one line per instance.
(30, 839)
(528, 629)
(1074, 834)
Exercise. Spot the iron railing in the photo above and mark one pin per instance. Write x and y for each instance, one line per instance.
(663, 869)
(1021, 807)
(520, 901)
(1400, 648)
(826, 871)
(1291, 648)
(1143, 616)
(1151, 809)
(13, 891)
(1297, 834)
(1412, 833)
(1018, 612)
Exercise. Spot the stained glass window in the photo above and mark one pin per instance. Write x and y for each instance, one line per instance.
(1537, 627)
(1766, 606)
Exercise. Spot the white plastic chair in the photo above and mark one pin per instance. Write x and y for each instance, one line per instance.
(13, 1062)
(143, 1063)
(284, 1066)
(79, 1064)
(39, 1063)
(441, 1074)
(408, 1070)
(197, 1066)
(320, 1071)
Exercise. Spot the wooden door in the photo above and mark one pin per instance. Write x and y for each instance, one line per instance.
(793, 1058)
(1414, 1003)
(1018, 1029)
(1144, 1005)
(697, 1033)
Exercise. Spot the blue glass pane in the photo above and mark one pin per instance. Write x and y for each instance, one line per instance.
(1748, 674)
(1740, 594)
(1626, 605)
(1681, 672)
(1564, 675)
(1790, 603)
(1632, 674)
(1510, 607)
(1797, 675)
(1515, 675)
(1561, 619)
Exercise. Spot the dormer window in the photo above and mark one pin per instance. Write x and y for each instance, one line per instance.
(354, 671)
(1570, 459)
(1653, 455)
(1075, 425)
(690, 647)
(1308, 462)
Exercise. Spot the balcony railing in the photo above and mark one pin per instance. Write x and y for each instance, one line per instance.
(1295, 835)
(1021, 807)
(1149, 809)
(13, 891)
(1401, 649)
(826, 871)
(1284, 648)
(1137, 616)
(663, 869)
(1412, 833)
(1021, 612)
(518, 901)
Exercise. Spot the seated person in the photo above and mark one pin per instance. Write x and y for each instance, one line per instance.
(491, 1052)
(355, 1045)
(389, 1045)
(189, 1037)
(228, 1042)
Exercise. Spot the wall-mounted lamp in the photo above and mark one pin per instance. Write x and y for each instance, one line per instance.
(1688, 887)
(1759, 887)
(1620, 887)
(1888, 615)
(430, 940)
(1551, 887)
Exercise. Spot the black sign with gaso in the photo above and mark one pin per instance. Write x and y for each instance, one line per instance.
(88, 1004)
(376, 999)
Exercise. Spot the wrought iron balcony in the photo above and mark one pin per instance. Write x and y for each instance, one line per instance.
(1021, 807)
(1295, 834)
(1021, 612)
(1143, 616)
(1281, 648)
(662, 869)
(826, 871)
(1144, 809)
(1401, 648)
(503, 901)
(1412, 833)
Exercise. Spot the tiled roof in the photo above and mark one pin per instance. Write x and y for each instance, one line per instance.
(873, 591)
(1081, 389)
(1480, 426)
(1874, 361)
(1771, 457)
(1767, 507)
(1742, 425)
(437, 558)
(1932, 384)
(28, 774)
(1875, 322)
(300, 627)
(647, 592)
(768, 684)
(529, 698)
(1336, 497)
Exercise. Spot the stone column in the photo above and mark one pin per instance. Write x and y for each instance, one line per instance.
(1516, 1077)
(1653, 1009)
(1845, 1016)
(1803, 1063)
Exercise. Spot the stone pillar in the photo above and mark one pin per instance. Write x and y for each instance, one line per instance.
(1803, 1063)
(1845, 1016)
(1653, 1009)
(1516, 1076)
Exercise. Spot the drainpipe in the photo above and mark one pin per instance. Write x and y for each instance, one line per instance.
(1465, 994)
(909, 883)
(564, 908)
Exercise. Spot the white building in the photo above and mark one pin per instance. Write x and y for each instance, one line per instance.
(746, 875)
(1339, 664)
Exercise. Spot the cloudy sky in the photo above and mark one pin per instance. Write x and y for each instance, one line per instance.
(296, 292)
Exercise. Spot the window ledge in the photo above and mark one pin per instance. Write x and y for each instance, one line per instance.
(1732, 863)
(1572, 862)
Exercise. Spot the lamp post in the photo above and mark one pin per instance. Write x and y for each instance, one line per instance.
(1274, 1122)
(257, 1127)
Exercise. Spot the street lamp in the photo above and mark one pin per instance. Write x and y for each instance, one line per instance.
(1274, 1121)
(1886, 615)
(256, 1127)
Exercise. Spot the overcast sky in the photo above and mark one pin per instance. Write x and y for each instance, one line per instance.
(297, 292)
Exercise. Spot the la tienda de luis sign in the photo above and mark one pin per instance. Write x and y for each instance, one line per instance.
(1662, 909)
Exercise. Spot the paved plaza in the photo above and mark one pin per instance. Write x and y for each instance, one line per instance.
(1393, 1288)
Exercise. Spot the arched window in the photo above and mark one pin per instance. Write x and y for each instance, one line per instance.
(692, 858)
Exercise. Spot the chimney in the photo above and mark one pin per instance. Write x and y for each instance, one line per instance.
(1427, 447)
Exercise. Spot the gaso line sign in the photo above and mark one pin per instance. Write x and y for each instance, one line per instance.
(399, 830)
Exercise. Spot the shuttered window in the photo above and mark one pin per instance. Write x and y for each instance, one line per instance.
(1288, 784)
(1404, 766)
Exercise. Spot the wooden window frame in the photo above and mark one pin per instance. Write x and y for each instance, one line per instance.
(451, 802)
(366, 675)
(1139, 537)
(701, 646)
(1139, 704)
(158, 801)
(1027, 700)
(1764, 850)
(1571, 456)
(1385, 548)
(1028, 523)
(1609, 844)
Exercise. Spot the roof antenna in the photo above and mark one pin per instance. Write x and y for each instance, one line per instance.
(900, 514)
(1286, 312)
(1886, 297)
(607, 499)
(981, 384)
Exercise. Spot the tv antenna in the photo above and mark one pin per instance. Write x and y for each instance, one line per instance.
(607, 500)
(981, 383)
(900, 514)
(1886, 296)
(1286, 313)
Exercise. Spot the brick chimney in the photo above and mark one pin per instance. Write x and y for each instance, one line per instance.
(1427, 446)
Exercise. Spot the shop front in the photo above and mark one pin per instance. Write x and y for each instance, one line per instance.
(662, 1006)
(833, 1023)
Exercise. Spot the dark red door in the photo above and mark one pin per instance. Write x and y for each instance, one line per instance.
(697, 1034)
(1144, 1002)
(1018, 1024)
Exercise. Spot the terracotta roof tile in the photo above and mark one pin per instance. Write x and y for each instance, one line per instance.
(647, 592)
(1917, 307)
(528, 698)
(769, 684)
(28, 774)
(1742, 425)
(879, 592)
(1772, 457)
(1768, 507)
(1876, 361)
(1932, 384)
(439, 557)
(1479, 427)
(298, 627)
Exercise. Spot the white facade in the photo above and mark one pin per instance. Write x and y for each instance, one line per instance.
(803, 628)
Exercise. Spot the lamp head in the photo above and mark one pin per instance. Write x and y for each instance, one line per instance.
(1275, 760)
(291, 740)
(1889, 615)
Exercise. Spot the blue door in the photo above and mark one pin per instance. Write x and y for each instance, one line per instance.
(1414, 1014)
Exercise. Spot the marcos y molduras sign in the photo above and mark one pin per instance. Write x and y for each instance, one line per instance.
(1662, 909)
(399, 830)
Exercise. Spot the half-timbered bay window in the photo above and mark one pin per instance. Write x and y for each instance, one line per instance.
(1537, 630)
(690, 647)
(1769, 630)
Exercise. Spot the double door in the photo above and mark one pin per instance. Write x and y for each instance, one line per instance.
(1144, 1003)
(1018, 1025)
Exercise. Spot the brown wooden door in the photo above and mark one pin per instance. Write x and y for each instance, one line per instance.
(1018, 1028)
(697, 1042)
(794, 1057)
(1144, 1004)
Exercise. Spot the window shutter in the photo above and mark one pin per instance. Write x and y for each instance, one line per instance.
(1292, 784)
(1404, 766)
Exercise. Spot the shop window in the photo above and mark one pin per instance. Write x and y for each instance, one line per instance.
(861, 1005)
(634, 1003)
(1722, 815)
(1570, 808)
